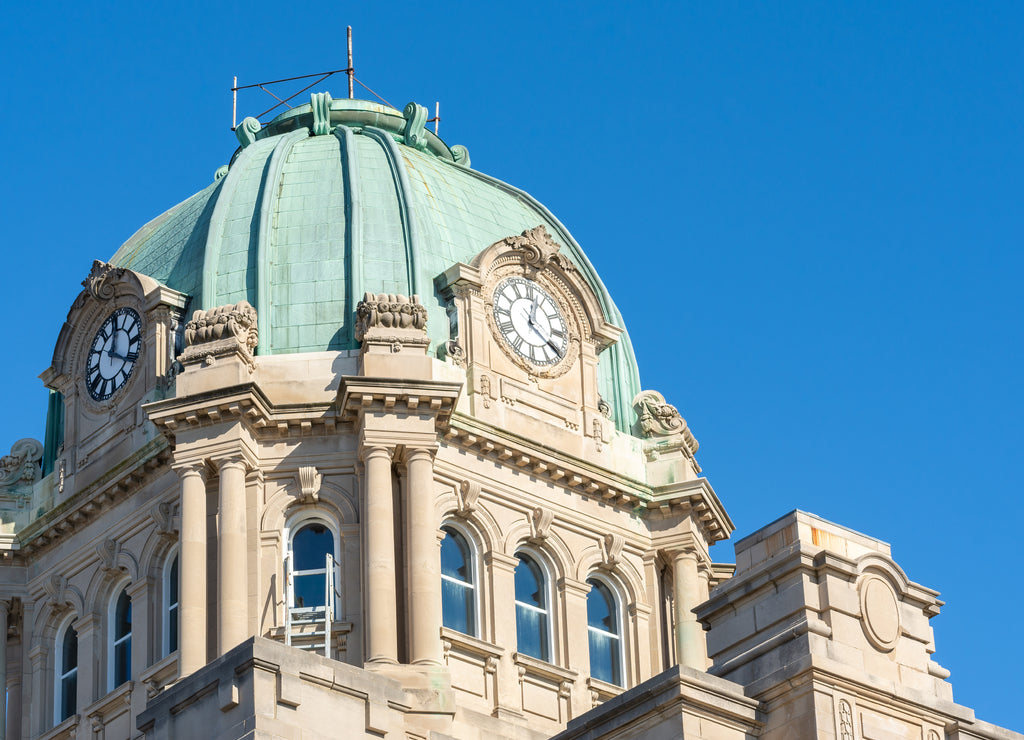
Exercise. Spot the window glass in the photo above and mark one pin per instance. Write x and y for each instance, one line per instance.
(458, 590)
(122, 639)
(532, 635)
(310, 547)
(67, 685)
(172, 606)
(603, 632)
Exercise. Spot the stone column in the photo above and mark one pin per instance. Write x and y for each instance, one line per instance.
(192, 651)
(501, 569)
(575, 637)
(142, 638)
(232, 573)
(14, 693)
(381, 615)
(4, 607)
(691, 650)
(424, 561)
(91, 647)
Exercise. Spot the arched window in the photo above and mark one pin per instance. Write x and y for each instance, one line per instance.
(533, 610)
(121, 639)
(458, 582)
(66, 693)
(605, 632)
(312, 556)
(171, 586)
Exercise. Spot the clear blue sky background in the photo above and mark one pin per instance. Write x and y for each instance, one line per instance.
(808, 213)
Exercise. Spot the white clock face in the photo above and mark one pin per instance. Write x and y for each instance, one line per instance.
(530, 321)
(113, 354)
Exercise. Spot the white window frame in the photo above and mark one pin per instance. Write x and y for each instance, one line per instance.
(111, 642)
(295, 523)
(620, 614)
(165, 602)
(545, 567)
(58, 677)
(474, 573)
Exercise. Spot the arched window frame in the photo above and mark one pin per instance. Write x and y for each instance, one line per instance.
(300, 519)
(171, 610)
(616, 592)
(547, 572)
(59, 674)
(113, 640)
(470, 538)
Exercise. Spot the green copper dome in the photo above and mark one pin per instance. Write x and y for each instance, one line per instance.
(340, 197)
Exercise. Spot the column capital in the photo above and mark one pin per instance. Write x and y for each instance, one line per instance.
(189, 468)
(236, 459)
(419, 452)
(375, 451)
(500, 561)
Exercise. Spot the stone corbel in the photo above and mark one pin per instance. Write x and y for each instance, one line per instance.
(163, 515)
(108, 552)
(310, 481)
(467, 493)
(611, 550)
(540, 524)
(60, 594)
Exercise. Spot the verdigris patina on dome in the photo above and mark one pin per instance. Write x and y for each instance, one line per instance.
(336, 199)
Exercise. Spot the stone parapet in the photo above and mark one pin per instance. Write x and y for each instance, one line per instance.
(677, 703)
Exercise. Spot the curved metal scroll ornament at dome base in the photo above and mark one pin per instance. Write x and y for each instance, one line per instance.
(389, 311)
(21, 468)
(236, 321)
(246, 131)
(415, 116)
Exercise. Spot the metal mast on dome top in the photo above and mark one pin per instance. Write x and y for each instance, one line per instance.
(349, 71)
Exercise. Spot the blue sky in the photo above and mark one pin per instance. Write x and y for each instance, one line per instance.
(808, 213)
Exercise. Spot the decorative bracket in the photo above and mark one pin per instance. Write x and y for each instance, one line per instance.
(321, 105)
(540, 523)
(467, 493)
(415, 119)
(309, 484)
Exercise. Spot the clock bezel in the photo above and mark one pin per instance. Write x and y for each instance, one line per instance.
(117, 390)
(555, 292)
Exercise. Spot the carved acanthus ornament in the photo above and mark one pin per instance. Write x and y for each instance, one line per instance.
(660, 420)
(220, 331)
(21, 468)
(391, 319)
(101, 279)
(389, 311)
(538, 248)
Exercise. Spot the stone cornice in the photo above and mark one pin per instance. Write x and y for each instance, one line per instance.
(546, 463)
(697, 494)
(359, 394)
(244, 403)
(72, 515)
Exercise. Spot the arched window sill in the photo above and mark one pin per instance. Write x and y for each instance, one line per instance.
(66, 730)
(160, 675)
(528, 665)
(110, 707)
(602, 691)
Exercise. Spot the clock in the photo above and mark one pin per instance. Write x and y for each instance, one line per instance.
(113, 354)
(530, 321)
